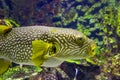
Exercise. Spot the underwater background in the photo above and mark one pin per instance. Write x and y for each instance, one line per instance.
(98, 19)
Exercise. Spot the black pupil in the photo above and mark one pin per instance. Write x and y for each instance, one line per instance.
(80, 38)
(93, 50)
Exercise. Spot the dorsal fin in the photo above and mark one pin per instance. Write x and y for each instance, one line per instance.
(4, 29)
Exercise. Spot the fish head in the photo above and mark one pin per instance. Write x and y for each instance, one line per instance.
(72, 44)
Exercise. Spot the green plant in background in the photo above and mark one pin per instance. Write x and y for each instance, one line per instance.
(21, 73)
(118, 21)
(100, 21)
(109, 46)
(66, 17)
(113, 65)
(110, 68)
(109, 31)
(104, 24)
(69, 16)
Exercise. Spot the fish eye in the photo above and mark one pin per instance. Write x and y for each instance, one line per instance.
(80, 38)
(93, 50)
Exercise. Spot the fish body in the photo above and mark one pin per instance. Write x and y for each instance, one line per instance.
(44, 46)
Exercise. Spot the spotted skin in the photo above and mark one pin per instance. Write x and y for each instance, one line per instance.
(16, 45)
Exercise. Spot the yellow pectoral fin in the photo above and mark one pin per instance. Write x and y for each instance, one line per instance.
(38, 61)
(37, 58)
(39, 50)
(4, 65)
(39, 45)
(4, 29)
(36, 55)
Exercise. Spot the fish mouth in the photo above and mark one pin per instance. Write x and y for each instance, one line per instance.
(92, 48)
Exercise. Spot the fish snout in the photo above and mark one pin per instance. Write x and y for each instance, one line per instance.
(93, 46)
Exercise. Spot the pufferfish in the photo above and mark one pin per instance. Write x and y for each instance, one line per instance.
(42, 46)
